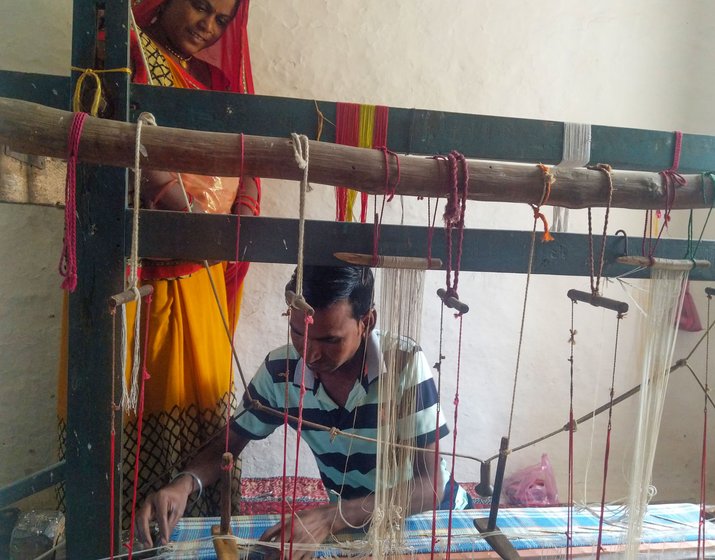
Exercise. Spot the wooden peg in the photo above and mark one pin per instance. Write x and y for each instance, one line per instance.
(452, 302)
(386, 261)
(129, 295)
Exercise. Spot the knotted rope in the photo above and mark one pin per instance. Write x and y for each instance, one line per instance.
(596, 278)
(130, 394)
(68, 259)
(671, 180)
(549, 180)
(97, 97)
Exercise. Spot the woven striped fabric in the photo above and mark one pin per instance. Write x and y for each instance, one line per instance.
(526, 528)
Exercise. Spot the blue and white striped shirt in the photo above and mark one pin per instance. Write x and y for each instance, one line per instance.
(347, 465)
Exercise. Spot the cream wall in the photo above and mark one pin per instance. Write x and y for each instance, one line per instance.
(638, 64)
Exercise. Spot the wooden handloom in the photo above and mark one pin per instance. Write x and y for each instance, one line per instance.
(104, 219)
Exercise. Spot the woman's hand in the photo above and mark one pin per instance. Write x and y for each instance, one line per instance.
(166, 507)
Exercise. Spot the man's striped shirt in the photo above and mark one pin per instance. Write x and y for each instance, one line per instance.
(347, 465)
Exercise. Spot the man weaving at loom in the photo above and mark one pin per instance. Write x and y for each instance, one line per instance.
(341, 365)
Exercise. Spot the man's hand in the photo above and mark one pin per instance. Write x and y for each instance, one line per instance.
(310, 527)
(166, 507)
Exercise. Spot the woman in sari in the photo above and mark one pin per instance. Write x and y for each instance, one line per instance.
(199, 44)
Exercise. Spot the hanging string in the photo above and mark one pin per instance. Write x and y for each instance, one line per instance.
(308, 320)
(548, 182)
(112, 435)
(230, 390)
(671, 180)
(693, 249)
(97, 97)
(576, 153)
(595, 283)
(130, 393)
(347, 124)
(607, 451)
(301, 152)
(379, 141)
(387, 196)
(140, 417)
(704, 454)
(572, 429)
(284, 481)
(68, 259)
(454, 212)
(437, 460)
(460, 316)
(546, 192)
(321, 122)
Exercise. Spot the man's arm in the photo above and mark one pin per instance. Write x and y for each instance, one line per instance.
(167, 505)
(314, 525)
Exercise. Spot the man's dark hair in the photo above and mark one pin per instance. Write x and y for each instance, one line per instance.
(325, 285)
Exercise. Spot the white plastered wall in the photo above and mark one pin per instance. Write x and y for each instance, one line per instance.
(639, 64)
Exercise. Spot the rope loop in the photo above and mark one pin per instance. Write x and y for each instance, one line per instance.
(596, 277)
(97, 97)
(68, 259)
(549, 180)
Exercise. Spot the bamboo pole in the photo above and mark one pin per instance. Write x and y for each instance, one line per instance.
(35, 129)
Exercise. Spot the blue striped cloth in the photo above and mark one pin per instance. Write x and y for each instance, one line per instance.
(527, 528)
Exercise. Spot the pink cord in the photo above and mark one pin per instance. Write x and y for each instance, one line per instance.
(387, 196)
(454, 213)
(671, 181)
(68, 260)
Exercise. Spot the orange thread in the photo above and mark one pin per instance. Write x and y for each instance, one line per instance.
(538, 215)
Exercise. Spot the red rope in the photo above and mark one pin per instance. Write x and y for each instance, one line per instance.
(437, 460)
(454, 439)
(387, 196)
(140, 417)
(703, 480)
(379, 140)
(671, 181)
(347, 128)
(299, 428)
(605, 478)
(112, 440)
(232, 310)
(454, 213)
(68, 260)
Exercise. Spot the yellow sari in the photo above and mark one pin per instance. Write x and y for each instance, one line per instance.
(188, 354)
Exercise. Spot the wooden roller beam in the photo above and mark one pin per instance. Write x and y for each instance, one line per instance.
(35, 129)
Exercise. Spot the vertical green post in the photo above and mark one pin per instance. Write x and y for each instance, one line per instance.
(101, 195)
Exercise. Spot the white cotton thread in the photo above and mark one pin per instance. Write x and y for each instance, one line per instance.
(130, 394)
(576, 153)
(301, 152)
(150, 78)
(665, 300)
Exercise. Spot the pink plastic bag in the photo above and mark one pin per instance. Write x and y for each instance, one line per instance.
(533, 486)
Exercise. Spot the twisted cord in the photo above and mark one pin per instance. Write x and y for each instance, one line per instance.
(68, 259)
(595, 284)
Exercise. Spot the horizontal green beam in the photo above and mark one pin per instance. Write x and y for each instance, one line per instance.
(411, 131)
(53, 91)
(32, 484)
(423, 132)
(175, 235)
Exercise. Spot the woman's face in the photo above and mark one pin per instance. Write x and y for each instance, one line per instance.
(190, 26)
